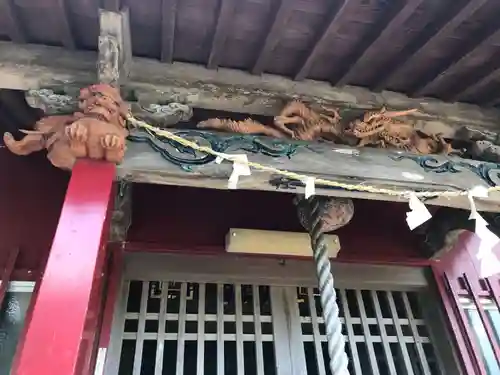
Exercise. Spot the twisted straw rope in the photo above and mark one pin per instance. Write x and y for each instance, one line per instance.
(301, 177)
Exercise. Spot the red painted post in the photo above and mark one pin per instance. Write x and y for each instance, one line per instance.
(53, 339)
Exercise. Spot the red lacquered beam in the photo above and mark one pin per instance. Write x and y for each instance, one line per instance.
(53, 338)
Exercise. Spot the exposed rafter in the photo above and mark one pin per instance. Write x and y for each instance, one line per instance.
(226, 11)
(378, 39)
(16, 33)
(447, 25)
(436, 79)
(331, 27)
(169, 14)
(64, 25)
(33, 67)
(278, 24)
(479, 84)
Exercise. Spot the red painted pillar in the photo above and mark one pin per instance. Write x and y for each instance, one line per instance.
(53, 341)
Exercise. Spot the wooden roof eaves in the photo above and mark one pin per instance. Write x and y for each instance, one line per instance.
(35, 66)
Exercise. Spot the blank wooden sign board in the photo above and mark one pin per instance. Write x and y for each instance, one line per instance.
(252, 241)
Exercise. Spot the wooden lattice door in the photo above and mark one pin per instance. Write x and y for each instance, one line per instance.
(472, 304)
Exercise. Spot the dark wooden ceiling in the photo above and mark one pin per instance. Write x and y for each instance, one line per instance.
(448, 49)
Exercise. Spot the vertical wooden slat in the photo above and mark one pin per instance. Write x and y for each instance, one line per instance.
(112, 296)
(296, 346)
(162, 317)
(110, 291)
(383, 334)
(280, 332)
(115, 345)
(259, 352)
(201, 330)
(416, 336)
(7, 272)
(182, 331)
(320, 362)
(399, 333)
(240, 360)
(366, 332)
(350, 333)
(220, 329)
(139, 343)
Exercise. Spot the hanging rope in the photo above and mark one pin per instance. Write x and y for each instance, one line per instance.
(319, 215)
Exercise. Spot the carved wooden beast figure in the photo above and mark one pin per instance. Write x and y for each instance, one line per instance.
(98, 131)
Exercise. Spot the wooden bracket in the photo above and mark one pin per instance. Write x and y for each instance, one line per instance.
(115, 50)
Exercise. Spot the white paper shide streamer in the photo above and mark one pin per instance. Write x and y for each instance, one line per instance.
(240, 168)
(489, 264)
(310, 187)
(418, 213)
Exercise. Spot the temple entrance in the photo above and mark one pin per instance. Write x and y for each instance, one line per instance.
(213, 320)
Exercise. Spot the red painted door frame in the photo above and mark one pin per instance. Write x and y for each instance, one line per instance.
(457, 276)
(60, 333)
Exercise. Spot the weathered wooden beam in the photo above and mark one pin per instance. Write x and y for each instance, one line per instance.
(31, 67)
(115, 55)
(115, 58)
(52, 103)
(152, 161)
